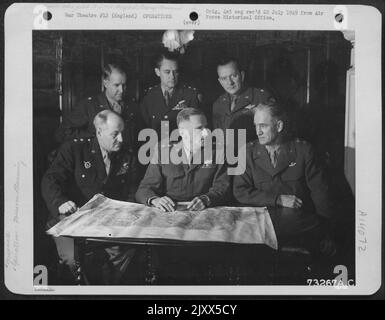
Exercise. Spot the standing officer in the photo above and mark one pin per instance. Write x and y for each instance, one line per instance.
(234, 109)
(83, 168)
(163, 102)
(79, 123)
(283, 174)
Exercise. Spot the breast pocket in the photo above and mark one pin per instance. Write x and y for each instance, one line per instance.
(293, 173)
(175, 177)
(262, 182)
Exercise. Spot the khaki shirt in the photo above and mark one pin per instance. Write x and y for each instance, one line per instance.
(183, 182)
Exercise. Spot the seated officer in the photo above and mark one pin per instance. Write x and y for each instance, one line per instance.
(283, 174)
(163, 102)
(83, 168)
(196, 179)
(79, 123)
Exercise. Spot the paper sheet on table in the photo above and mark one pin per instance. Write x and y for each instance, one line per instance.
(107, 218)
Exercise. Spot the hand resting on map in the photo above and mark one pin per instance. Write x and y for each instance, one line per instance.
(166, 204)
(163, 203)
(67, 207)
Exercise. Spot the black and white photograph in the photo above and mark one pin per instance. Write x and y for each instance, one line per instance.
(204, 149)
(291, 79)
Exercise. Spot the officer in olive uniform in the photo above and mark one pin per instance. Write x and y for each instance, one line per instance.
(283, 174)
(83, 168)
(197, 179)
(234, 109)
(79, 123)
(163, 102)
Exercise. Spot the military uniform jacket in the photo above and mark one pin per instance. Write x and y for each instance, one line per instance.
(297, 173)
(78, 173)
(183, 182)
(154, 108)
(242, 115)
(79, 123)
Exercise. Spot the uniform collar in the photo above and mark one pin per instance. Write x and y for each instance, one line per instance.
(244, 98)
(105, 103)
(206, 158)
(163, 89)
(275, 148)
(287, 155)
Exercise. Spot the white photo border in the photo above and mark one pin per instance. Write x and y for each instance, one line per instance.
(22, 18)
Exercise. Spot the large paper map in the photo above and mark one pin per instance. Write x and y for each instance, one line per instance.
(102, 217)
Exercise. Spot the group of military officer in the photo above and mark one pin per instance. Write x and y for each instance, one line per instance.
(99, 155)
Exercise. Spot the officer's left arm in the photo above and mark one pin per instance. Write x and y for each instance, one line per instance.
(56, 179)
(152, 184)
(316, 182)
(220, 190)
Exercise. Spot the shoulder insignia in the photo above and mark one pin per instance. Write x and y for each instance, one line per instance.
(79, 140)
(148, 89)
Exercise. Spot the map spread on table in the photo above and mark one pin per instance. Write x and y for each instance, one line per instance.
(102, 217)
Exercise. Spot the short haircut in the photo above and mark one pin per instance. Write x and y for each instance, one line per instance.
(166, 56)
(185, 114)
(275, 108)
(226, 60)
(110, 67)
(101, 118)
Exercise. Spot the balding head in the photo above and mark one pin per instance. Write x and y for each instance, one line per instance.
(109, 127)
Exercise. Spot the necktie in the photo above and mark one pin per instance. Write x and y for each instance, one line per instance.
(233, 102)
(107, 162)
(274, 158)
(117, 107)
(167, 98)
